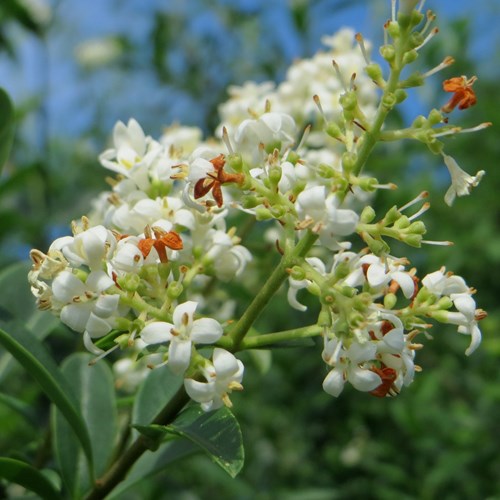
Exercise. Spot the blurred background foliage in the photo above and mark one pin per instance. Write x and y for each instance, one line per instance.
(74, 68)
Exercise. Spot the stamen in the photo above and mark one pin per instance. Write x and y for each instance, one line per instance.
(422, 210)
(227, 141)
(429, 37)
(390, 186)
(447, 61)
(481, 126)
(421, 196)
(438, 243)
(393, 10)
(431, 17)
(305, 135)
(339, 75)
(421, 6)
(103, 355)
(317, 101)
(451, 131)
(361, 42)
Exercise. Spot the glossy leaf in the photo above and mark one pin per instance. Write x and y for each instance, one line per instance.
(18, 472)
(36, 360)
(217, 433)
(6, 126)
(155, 392)
(94, 389)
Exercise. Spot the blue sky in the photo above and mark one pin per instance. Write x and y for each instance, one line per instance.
(76, 100)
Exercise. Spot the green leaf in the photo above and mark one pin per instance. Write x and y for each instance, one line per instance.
(33, 356)
(20, 407)
(19, 304)
(217, 433)
(94, 389)
(16, 471)
(6, 126)
(154, 393)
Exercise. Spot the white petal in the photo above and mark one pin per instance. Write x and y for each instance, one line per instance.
(206, 331)
(201, 392)
(76, 316)
(464, 304)
(66, 286)
(157, 332)
(225, 363)
(377, 276)
(394, 340)
(179, 355)
(106, 305)
(363, 379)
(98, 281)
(358, 353)
(405, 281)
(187, 308)
(292, 297)
(334, 382)
(89, 345)
(97, 327)
(475, 333)
(343, 221)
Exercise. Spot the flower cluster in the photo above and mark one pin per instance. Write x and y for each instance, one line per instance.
(136, 274)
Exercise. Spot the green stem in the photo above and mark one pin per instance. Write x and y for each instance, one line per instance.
(270, 287)
(120, 468)
(269, 339)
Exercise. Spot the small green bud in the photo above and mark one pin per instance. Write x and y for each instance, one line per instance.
(415, 40)
(121, 323)
(333, 130)
(81, 275)
(374, 71)
(367, 215)
(441, 316)
(419, 122)
(378, 247)
(324, 317)
(402, 223)
(278, 211)
(414, 240)
(123, 340)
(390, 300)
(164, 270)
(435, 146)
(435, 117)
(362, 301)
(297, 273)
(393, 29)
(348, 291)
(250, 201)
(235, 161)
(416, 17)
(367, 184)
(389, 100)
(342, 270)
(401, 95)
(414, 80)
(263, 214)
(174, 290)
(426, 136)
(410, 57)
(299, 186)
(388, 52)
(275, 176)
(444, 303)
(349, 101)
(417, 227)
(293, 157)
(392, 216)
(349, 161)
(326, 171)
(129, 282)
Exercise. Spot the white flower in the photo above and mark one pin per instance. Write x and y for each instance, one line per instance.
(331, 222)
(439, 283)
(461, 182)
(181, 334)
(349, 366)
(89, 248)
(84, 306)
(225, 376)
(296, 285)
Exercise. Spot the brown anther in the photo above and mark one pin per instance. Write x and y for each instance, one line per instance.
(388, 376)
(480, 314)
(161, 241)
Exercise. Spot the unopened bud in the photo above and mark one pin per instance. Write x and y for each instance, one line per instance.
(414, 240)
(333, 130)
(297, 273)
(174, 290)
(435, 117)
(263, 214)
(374, 71)
(389, 100)
(349, 161)
(390, 300)
(367, 215)
(348, 101)
(388, 52)
(235, 161)
(129, 282)
(402, 223)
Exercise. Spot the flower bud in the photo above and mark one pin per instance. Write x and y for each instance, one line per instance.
(368, 184)
(390, 300)
(414, 240)
(414, 80)
(367, 215)
(263, 214)
(401, 95)
(393, 29)
(392, 215)
(235, 161)
(129, 282)
(444, 303)
(333, 130)
(297, 273)
(349, 101)
(250, 201)
(415, 40)
(274, 175)
(326, 171)
(348, 161)
(389, 100)
(374, 71)
(419, 122)
(402, 223)
(417, 227)
(435, 117)
(388, 52)
(410, 57)
(174, 290)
